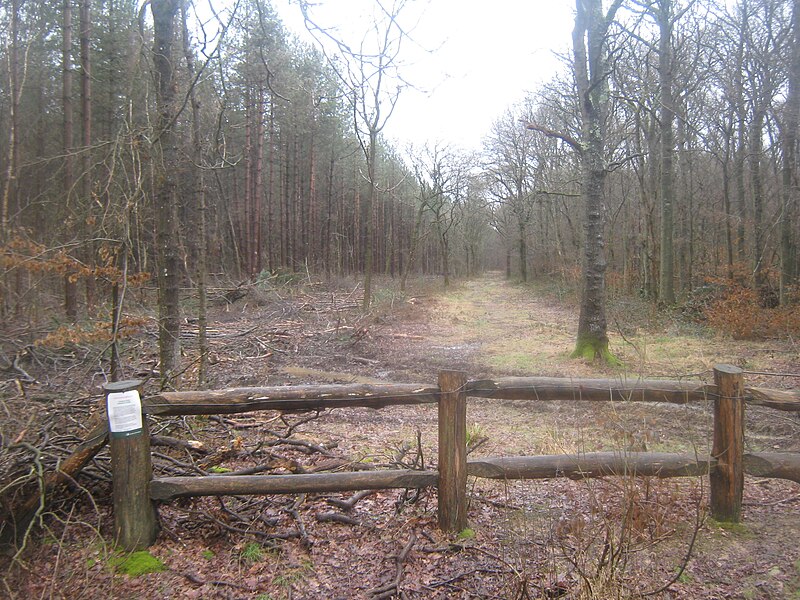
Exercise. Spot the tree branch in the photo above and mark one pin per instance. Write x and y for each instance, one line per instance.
(551, 133)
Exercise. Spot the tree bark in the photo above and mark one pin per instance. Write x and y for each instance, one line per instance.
(591, 77)
(200, 198)
(164, 12)
(666, 123)
(789, 176)
(86, 109)
(70, 285)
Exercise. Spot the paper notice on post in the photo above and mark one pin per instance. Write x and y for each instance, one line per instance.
(125, 412)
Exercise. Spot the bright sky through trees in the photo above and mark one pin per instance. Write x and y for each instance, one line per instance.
(470, 60)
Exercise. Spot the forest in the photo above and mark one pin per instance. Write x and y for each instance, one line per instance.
(198, 145)
(196, 196)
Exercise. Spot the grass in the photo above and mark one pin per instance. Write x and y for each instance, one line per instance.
(252, 553)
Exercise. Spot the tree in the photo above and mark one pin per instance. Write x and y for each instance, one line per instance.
(166, 202)
(591, 70)
(70, 285)
(511, 175)
(370, 75)
(789, 137)
(442, 179)
(663, 11)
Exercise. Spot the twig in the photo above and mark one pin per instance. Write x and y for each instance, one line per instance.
(196, 579)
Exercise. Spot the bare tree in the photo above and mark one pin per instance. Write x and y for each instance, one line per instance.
(591, 69)
(370, 73)
(442, 178)
(70, 285)
(511, 177)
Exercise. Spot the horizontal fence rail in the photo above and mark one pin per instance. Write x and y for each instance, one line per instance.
(288, 398)
(169, 488)
(634, 390)
(590, 465)
(322, 397)
(135, 489)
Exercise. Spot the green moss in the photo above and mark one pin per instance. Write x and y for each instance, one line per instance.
(136, 564)
(207, 554)
(592, 349)
(466, 534)
(220, 470)
(737, 528)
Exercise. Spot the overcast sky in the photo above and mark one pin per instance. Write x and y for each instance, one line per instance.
(485, 54)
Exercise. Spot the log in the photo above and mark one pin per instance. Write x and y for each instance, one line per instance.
(596, 464)
(168, 488)
(603, 390)
(773, 465)
(452, 499)
(289, 398)
(727, 480)
(555, 388)
(777, 399)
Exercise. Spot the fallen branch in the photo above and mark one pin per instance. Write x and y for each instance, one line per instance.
(22, 518)
(334, 517)
(171, 442)
(393, 587)
(348, 505)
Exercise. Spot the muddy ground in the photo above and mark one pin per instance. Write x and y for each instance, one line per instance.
(602, 539)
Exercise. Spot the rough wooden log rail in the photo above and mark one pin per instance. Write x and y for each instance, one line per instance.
(621, 390)
(321, 397)
(168, 488)
(572, 466)
(299, 397)
(591, 465)
(773, 465)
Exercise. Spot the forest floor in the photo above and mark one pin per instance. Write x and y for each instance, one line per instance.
(611, 538)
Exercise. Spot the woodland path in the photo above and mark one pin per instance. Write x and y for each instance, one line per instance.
(505, 327)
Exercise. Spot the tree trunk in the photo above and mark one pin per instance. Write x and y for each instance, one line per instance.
(591, 77)
(667, 114)
(86, 108)
(757, 182)
(789, 145)
(12, 164)
(367, 216)
(523, 251)
(200, 198)
(258, 187)
(70, 285)
(164, 12)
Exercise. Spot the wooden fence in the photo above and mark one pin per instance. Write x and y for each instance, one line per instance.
(135, 489)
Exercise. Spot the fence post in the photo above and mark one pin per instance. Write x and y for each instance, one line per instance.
(135, 518)
(452, 451)
(727, 479)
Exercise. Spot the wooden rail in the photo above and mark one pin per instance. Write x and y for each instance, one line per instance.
(135, 489)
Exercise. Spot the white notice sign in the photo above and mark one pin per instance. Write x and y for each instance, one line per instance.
(125, 413)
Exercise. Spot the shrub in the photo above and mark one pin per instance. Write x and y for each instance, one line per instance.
(738, 310)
